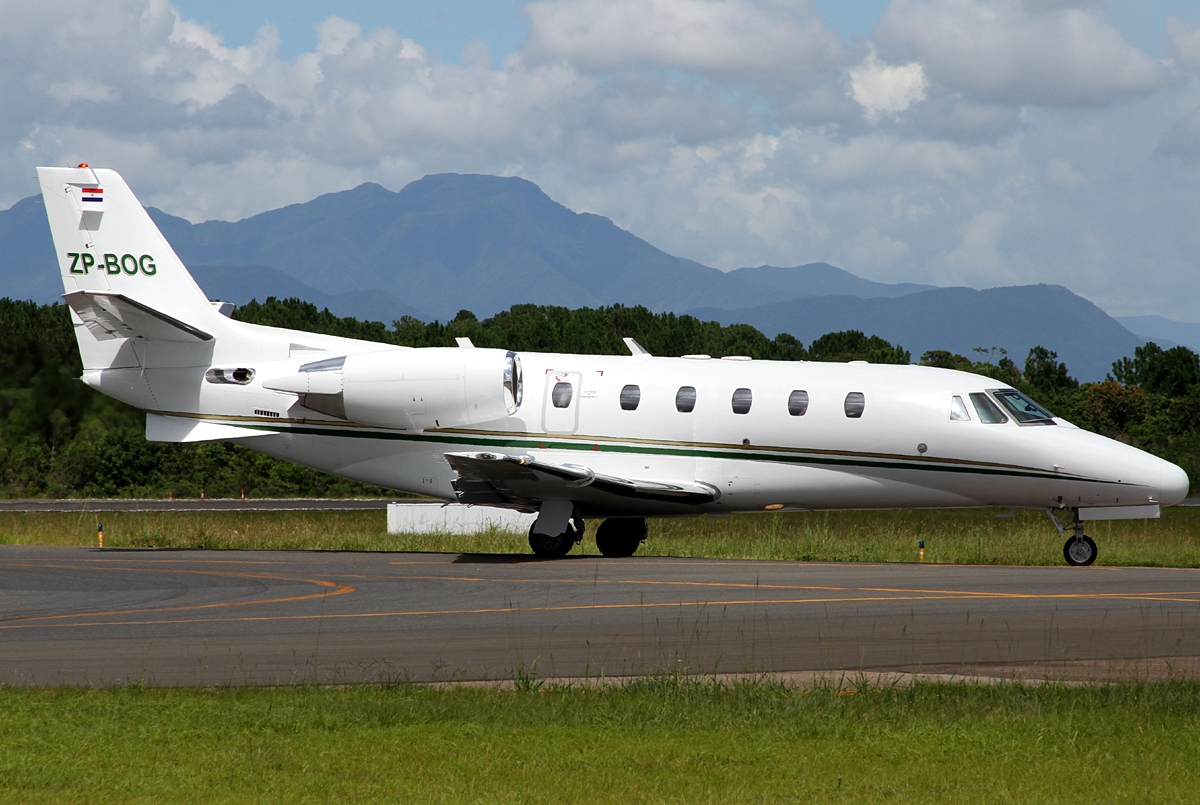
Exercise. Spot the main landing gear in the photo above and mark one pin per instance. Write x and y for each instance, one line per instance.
(618, 537)
(1080, 549)
(556, 546)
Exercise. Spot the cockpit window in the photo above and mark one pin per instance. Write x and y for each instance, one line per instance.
(989, 414)
(1023, 409)
(958, 410)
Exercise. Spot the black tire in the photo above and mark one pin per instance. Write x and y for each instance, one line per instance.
(556, 547)
(618, 537)
(1080, 552)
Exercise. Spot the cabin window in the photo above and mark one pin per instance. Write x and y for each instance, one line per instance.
(560, 397)
(630, 397)
(856, 403)
(685, 399)
(958, 410)
(798, 403)
(742, 398)
(1023, 409)
(989, 414)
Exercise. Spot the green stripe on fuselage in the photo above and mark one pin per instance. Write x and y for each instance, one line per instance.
(732, 452)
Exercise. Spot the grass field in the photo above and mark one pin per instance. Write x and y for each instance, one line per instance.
(657, 740)
(975, 536)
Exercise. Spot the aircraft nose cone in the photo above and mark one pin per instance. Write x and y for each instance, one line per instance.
(1173, 484)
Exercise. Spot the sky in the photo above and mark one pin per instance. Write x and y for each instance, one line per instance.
(951, 142)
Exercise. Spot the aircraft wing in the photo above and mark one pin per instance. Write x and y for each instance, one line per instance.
(524, 481)
(113, 315)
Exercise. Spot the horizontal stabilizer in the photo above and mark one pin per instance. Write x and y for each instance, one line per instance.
(499, 479)
(112, 315)
(163, 428)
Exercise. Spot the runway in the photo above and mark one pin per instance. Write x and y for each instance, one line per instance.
(181, 617)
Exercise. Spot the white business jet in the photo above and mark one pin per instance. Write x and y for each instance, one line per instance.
(568, 436)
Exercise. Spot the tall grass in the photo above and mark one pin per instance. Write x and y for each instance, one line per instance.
(658, 740)
(976, 536)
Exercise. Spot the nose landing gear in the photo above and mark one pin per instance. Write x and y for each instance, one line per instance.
(1080, 549)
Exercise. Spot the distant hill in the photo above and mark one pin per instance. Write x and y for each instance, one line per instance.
(1015, 318)
(29, 270)
(484, 243)
(822, 279)
(1164, 331)
(449, 241)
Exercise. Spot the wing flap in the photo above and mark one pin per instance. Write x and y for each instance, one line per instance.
(524, 480)
(114, 315)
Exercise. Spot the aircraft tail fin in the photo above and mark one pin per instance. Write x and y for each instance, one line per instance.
(120, 276)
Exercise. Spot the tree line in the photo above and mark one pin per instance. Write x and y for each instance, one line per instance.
(59, 438)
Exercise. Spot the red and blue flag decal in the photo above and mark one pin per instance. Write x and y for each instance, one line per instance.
(92, 194)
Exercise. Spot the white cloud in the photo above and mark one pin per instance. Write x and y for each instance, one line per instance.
(1019, 51)
(1185, 41)
(707, 36)
(876, 250)
(880, 87)
(1060, 172)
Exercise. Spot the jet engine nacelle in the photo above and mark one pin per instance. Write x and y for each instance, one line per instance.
(411, 389)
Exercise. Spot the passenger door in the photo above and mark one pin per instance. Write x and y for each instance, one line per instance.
(560, 407)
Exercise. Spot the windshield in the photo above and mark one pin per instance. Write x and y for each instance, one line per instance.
(989, 414)
(1023, 409)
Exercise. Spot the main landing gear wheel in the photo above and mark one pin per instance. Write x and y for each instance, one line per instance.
(618, 537)
(557, 546)
(1080, 551)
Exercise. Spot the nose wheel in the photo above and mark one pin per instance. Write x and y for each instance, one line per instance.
(1079, 549)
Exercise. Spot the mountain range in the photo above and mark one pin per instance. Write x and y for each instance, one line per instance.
(484, 243)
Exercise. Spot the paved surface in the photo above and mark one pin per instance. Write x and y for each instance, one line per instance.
(86, 616)
(193, 505)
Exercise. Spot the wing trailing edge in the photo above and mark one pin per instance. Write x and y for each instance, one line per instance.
(498, 479)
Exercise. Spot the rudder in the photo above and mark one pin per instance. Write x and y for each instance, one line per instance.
(106, 242)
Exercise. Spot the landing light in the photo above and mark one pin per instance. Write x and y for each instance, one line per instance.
(773, 506)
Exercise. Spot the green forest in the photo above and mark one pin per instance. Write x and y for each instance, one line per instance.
(59, 438)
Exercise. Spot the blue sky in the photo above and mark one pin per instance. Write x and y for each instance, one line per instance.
(949, 142)
(448, 25)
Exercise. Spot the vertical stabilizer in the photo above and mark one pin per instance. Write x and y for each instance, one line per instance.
(108, 246)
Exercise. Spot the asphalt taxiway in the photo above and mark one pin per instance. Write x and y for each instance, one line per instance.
(182, 617)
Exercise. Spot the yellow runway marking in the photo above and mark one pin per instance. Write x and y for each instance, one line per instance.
(757, 586)
(567, 608)
(331, 589)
